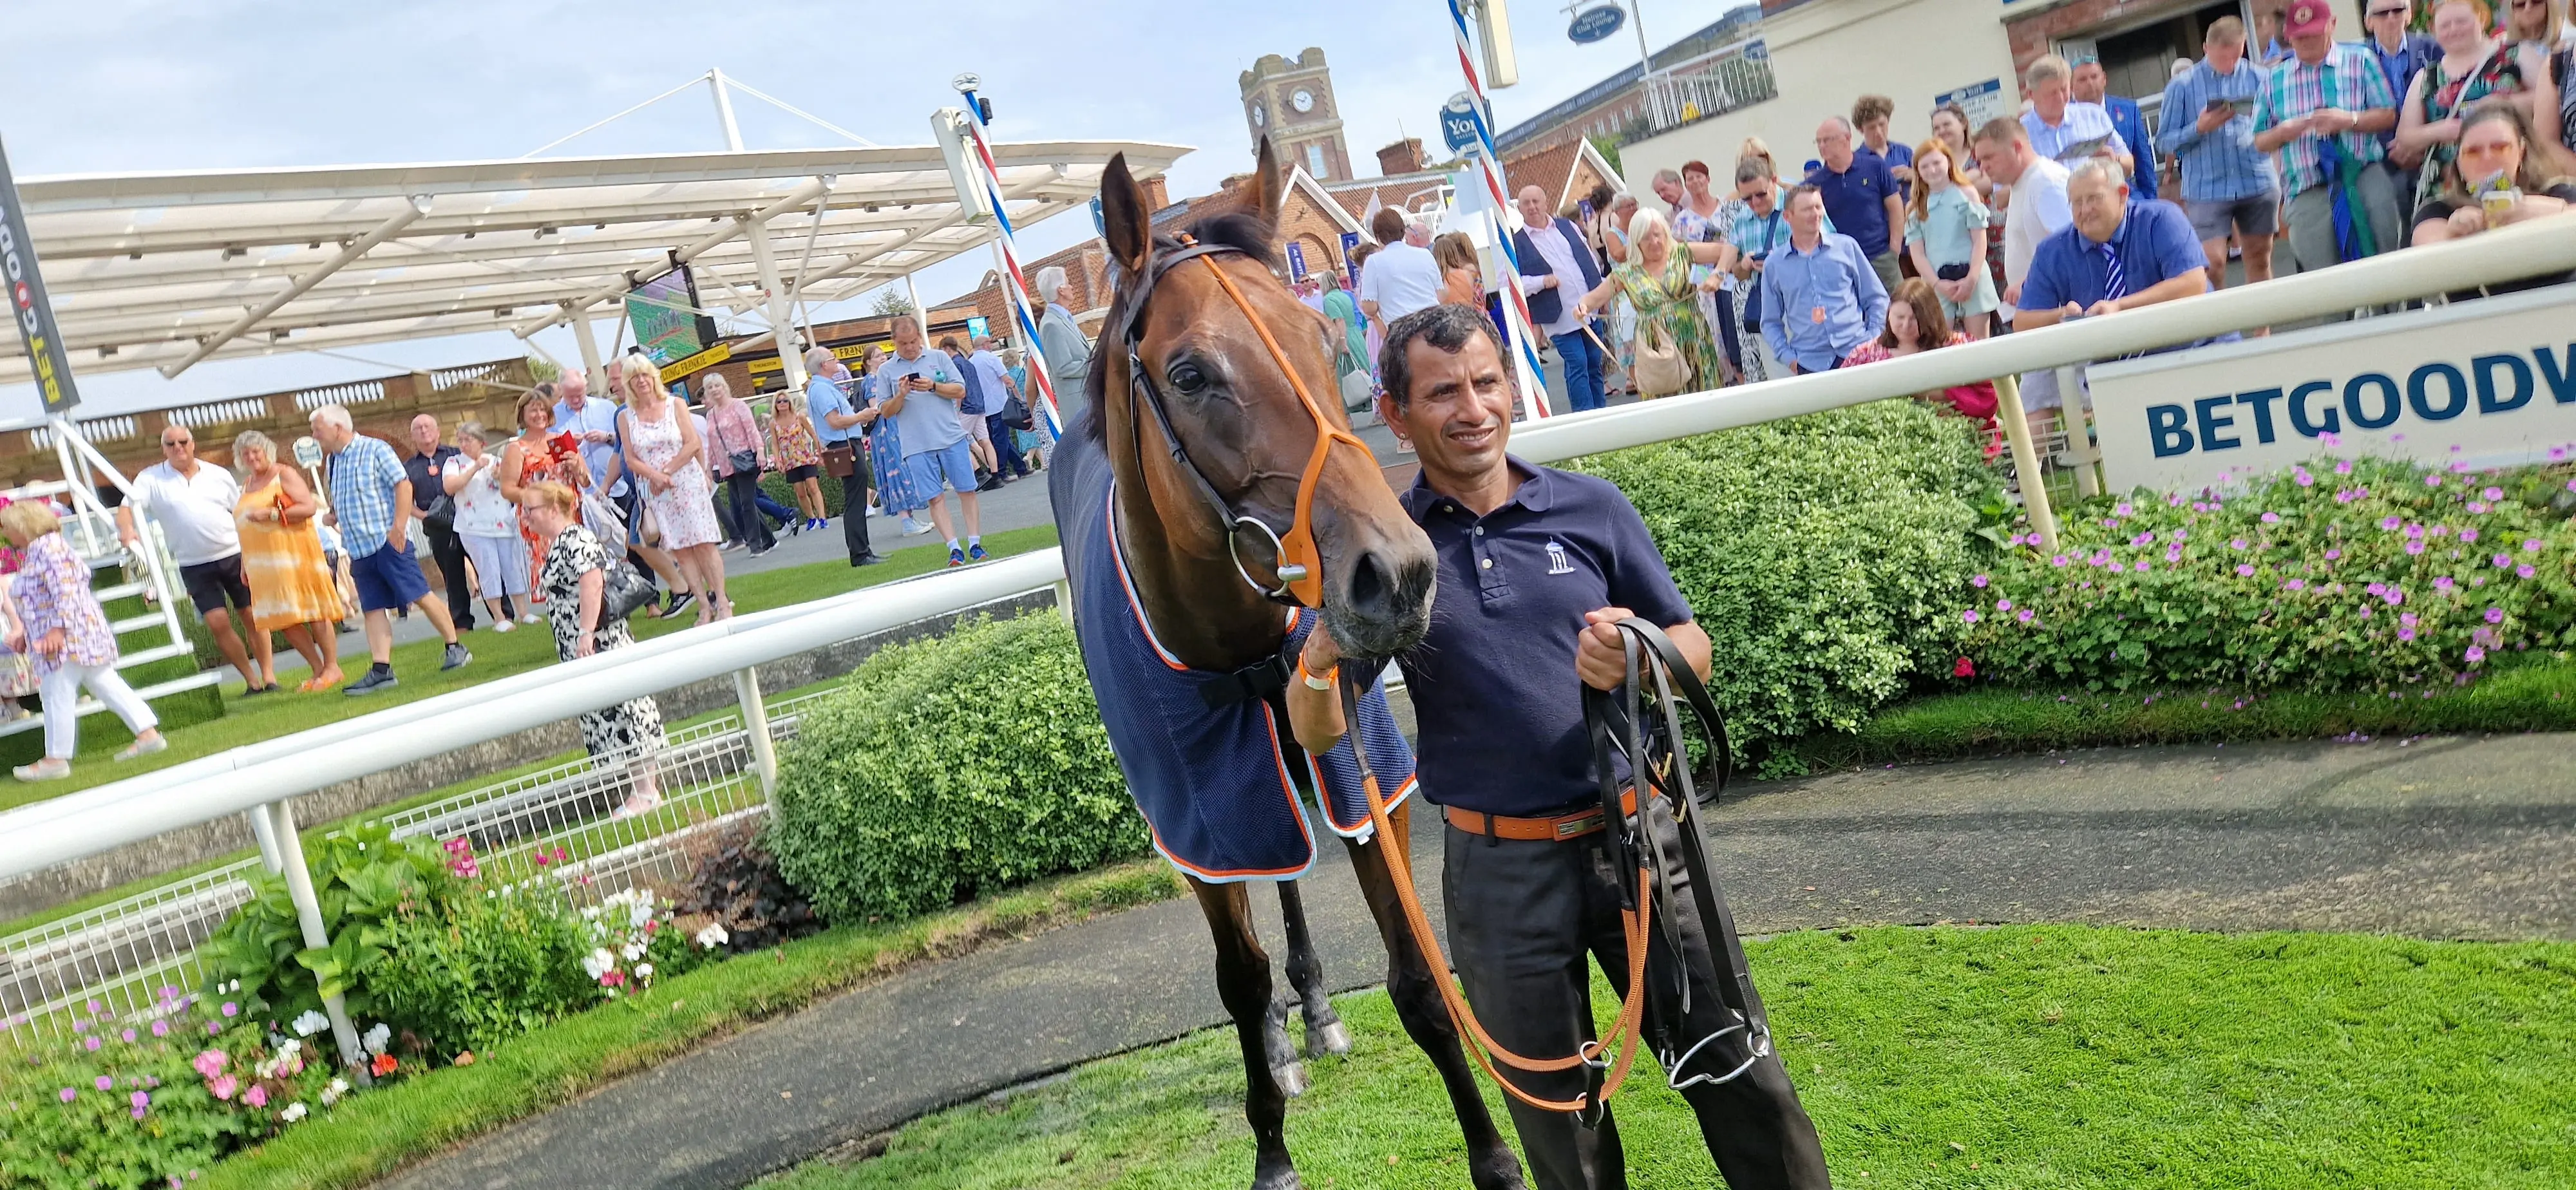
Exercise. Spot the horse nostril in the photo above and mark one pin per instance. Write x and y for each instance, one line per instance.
(1370, 585)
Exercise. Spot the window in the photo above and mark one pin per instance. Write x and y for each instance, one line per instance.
(1315, 160)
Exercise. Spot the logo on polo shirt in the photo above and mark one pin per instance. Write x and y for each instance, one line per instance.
(1557, 563)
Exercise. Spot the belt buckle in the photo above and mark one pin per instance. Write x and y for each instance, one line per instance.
(1567, 828)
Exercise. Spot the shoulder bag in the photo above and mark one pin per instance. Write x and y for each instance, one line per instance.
(1659, 370)
(623, 591)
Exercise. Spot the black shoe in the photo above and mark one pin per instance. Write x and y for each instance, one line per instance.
(869, 558)
(678, 603)
(374, 681)
(991, 485)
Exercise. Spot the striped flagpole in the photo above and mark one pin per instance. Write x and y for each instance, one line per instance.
(1015, 286)
(1516, 316)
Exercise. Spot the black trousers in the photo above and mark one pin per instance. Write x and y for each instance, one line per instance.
(1522, 918)
(449, 553)
(741, 488)
(854, 507)
(1006, 447)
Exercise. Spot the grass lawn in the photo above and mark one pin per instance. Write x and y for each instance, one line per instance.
(248, 721)
(2539, 697)
(2049, 1056)
(374, 1133)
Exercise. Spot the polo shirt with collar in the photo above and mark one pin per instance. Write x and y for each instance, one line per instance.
(927, 421)
(1856, 199)
(195, 511)
(2131, 124)
(1820, 305)
(2155, 243)
(1493, 685)
(823, 396)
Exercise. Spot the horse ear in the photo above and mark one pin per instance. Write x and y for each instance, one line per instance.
(1266, 189)
(1127, 225)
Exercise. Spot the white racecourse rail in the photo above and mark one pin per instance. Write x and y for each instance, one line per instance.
(264, 775)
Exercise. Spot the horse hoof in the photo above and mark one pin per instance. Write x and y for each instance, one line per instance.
(1291, 1079)
(1285, 1179)
(1333, 1039)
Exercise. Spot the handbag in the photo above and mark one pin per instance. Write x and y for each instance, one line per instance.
(1358, 391)
(743, 462)
(623, 591)
(841, 460)
(1016, 415)
(599, 515)
(1660, 370)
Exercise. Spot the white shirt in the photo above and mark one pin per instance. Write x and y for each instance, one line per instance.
(2038, 211)
(1400, 279)
(481, 510)
(195, 511)
(1558, 255)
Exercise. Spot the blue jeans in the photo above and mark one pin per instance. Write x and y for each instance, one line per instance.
(1582, 369)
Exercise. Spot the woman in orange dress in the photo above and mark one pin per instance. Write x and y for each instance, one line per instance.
(293, 592)
(539, 455)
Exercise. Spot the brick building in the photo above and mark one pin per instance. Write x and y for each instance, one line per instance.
(1609, 107)
(1292, 103)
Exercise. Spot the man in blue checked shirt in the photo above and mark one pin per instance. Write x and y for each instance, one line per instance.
(371, 506)
(1820, 298)
(2060, 128)
(2227, 183)
(2323, 111)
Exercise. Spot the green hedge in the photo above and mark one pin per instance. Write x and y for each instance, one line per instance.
(951, 766)
(1824, 555)
(785, 493)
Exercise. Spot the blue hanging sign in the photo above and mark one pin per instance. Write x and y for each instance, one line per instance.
(1458, 123)
(1350, 244)
(1099, 222)
(1593, 24)
(1296, 261)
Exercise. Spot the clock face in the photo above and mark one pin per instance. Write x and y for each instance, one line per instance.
(1303, 100)
(1259, 117)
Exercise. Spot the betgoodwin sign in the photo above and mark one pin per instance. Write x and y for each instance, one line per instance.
(28, 306)
(2489, 382)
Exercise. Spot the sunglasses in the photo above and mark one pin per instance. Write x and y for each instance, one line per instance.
(2387, 12)
(176, 445)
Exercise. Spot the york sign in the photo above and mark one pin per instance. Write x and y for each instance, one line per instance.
(2489, 382)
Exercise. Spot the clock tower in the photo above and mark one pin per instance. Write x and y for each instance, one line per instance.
(1292, 103)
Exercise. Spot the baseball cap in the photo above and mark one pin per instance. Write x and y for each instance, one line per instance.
(2308, 16)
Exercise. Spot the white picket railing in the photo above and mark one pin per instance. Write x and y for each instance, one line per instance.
(263, 776)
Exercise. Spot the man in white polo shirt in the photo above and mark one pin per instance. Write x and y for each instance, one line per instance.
(194, 504)
(1401, 278)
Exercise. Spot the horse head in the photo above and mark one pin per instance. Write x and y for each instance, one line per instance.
(1214, 393)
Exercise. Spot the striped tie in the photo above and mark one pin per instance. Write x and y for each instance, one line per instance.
(2114, 286)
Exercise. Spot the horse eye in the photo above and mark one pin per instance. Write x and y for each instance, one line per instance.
(1187, 377)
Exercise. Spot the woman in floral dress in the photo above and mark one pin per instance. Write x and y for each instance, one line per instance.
(61, 627)
(1666, 300)
(895, 490)
(539, 455)
(574, 577)
(291, 583)
(2473, 66)
(666, 455)
(800, 456)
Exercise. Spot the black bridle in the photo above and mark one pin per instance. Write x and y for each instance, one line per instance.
(1297, 567)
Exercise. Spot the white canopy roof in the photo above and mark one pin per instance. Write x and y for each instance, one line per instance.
(161, 270)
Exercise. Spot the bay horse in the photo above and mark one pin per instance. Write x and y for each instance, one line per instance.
(1214, 487)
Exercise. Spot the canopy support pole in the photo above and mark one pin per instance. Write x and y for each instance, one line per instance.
(919, 314)
(411, 212)
(588, 339)
(755, 231)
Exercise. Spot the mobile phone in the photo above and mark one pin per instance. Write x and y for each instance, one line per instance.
(2216, 103)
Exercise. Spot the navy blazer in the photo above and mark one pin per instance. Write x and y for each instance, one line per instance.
(1547, 305)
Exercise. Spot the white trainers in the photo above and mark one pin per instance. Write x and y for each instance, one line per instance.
(140, 748)
(49, 769)
(504, 626)
(531, 618)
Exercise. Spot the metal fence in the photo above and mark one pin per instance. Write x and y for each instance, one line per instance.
(1712, 84)
(121, 954)
(260, 778)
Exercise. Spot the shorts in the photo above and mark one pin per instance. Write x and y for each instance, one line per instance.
(977, 427)
(2257, 216)
(801, 474)
(211, 584)
(954, 463)
(388, 578)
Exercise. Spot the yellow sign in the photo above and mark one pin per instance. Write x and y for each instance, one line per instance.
(847, 351)
(705, 359)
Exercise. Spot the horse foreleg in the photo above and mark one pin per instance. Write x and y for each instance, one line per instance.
(1325, 1032)
(1490, 1163)
(1271, 1072)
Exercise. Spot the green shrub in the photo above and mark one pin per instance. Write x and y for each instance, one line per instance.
(362, 878)
(481, 970)
(1823, 554)
(952, 766)
(785, 493)
(2344, 576)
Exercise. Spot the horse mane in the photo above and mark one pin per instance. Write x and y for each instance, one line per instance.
(1231, 227)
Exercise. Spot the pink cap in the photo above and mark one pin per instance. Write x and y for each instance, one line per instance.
(2308, 16)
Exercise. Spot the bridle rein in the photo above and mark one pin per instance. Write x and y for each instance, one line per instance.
(1298, 568)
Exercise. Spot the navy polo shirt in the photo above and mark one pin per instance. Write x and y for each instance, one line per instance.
(1494, 690)
(2155, 243)
(1856, 199)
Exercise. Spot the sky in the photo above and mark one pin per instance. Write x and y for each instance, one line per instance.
(146, 86)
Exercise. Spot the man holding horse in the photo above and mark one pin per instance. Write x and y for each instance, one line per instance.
(1535, 567)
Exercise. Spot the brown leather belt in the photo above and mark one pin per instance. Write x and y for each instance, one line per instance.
(1538, 830)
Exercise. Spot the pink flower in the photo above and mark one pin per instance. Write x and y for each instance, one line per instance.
(231, 1009)
(2477, 506)
(1970, 615)
(2495, 615)
(2003, 605)
(2024, 615)
(210, 1063)
(2237, 544)
(127, 1036)
(2432, 481)
(2531, 545)
(2142, 566)
(1963, 668)
(2405, 634)
(2443, 583)
(256, 1096)
(140, 1100)
(2342, 466)
(2296, 584)
(2468, 535)
(2524, 572)
(1978, 581)
(2475, 654)
(2271, 518)
(104, 1083)
(2057, 560)
(90, 1044)
(2415, 547)
(160, 1028)
(2391, 523)
(2331, 555)
(224, 1086)
(2304, 479)
(2503, 560)
(2244, 571)
(67, 1094)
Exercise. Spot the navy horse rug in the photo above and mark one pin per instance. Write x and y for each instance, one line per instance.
(1208, 756)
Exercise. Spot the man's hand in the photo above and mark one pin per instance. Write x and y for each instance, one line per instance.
(2100, 308)
(595, 436)
(1903, 173)
(394, 536)
(2012, 295)
(2214, 118)
(2070, 310)
(1321, 653)
(1551, 282)
(2327, 121)
(1600, 658)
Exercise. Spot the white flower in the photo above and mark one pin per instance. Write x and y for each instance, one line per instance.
(331, 1094)
(288, 1050)
(599, 963)
(713, 936)
(378, 1038)
(632, 951)
(294, 1111)
(644, 971)
(590, 913)
(640, 913)
(310, 1023)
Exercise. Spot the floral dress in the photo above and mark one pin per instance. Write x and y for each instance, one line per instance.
(52, 591)
(1667, 305)
(685, 509)
(2446, 96)
(796, 444)
(543, 461)
(630, 727)
(885, 457)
